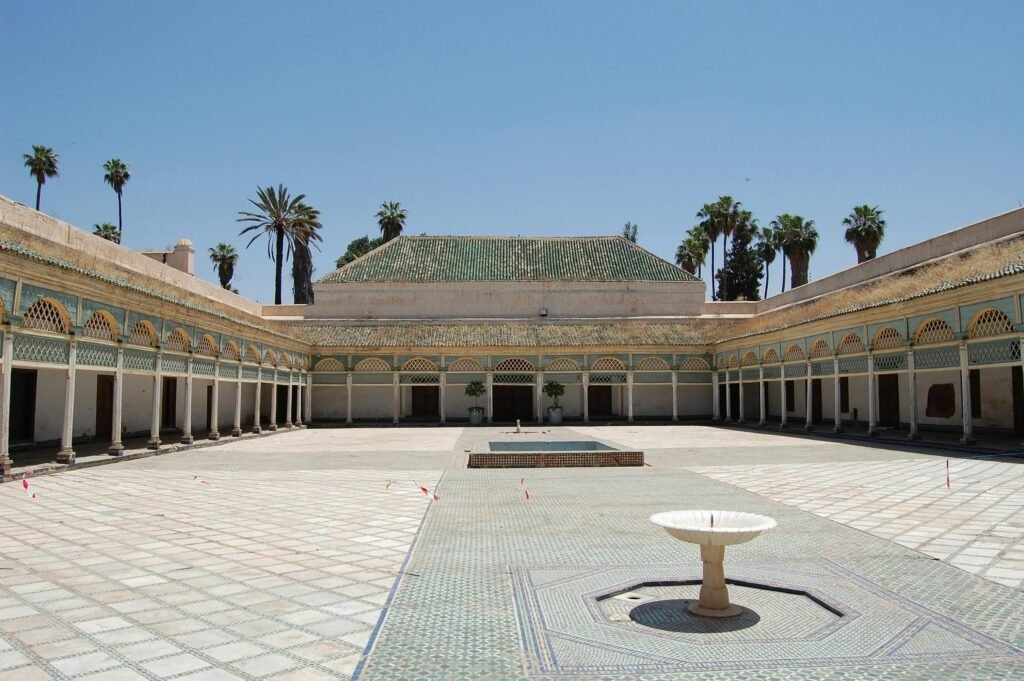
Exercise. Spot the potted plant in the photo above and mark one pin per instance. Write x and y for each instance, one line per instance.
(476, 389)
(554, 390)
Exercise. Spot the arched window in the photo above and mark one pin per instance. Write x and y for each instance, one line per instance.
(749, 360)
(101, 325)
(178, 340)
(143, 334)
(252, 355)
(465, 365)
(514, 364)
(933, 331)
(206, 346)
(3, 311)
(231, 351)
(794, 353)
(990, 322)
(47, 314)
(373, 364)
(887, 338)
(608, 364)
(563, 364)
(850, 344)
(285, 361)
(694, 364)
(419, 364)
(269, 358)
(770, 357)
(329, 364)
(820, 350)
(733, 362)
(652, 364)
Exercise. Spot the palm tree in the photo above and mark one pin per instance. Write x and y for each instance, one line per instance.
(798, 239)
(781, 228)
(279, 217)
(117, 176)
(302, 263)
(41, 163)
(107, 231)
(629, 231)
(865, 229)
(765, 250)
(722, 218)
(391, 218)
(711, 227)
(224, 257)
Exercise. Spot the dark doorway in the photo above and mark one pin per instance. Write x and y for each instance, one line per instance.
(889, 400)
(1018, 400)
(721, 401)
(734, 397)
(209, 407)
(282, 405)
(816, 400)
(104, 406)
(599, 401)
(23, 405)
(790, 396)
(766, 394)
(169, 404)
(425, 401)
(513, 402)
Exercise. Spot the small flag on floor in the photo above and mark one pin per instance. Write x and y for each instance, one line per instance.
(28, 490)
(947, 473)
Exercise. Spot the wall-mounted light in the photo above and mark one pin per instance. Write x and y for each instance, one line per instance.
(543, 312)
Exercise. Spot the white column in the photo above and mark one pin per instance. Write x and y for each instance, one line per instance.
(760, 396)
(586, 397)
(808, 425)
(236, 427)
(215, 403)
(442, 390)
(272, 425)
(67, 453)
(489, 381)
(5, 404)
(348, 397)
(396, 395)
(629, 396)
(309, 397)
(836, 402)
(300, 403)
(965, 396)
(288, 413)
(741, 405)
(782, 390)
(912, 387)
(715, 406)
(675, 396)
(539, 380)
(256, 428)
(872, 400)
(116, 447)
(728, 397)
(154, 424)
(186, 438)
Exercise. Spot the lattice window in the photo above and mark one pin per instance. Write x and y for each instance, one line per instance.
(206, 347)
(770, 357)
(329, 364)
(231, 351)
(990, 322)
(887, 338)
(794, 353)
(465, 364)
(252, 355)
(143, 334)
(892, 361)
(269, 358)
(3, 311)
(733, 362)
(28, 348)
(47, 315)
(101, 325)
(749, 360)
(373, 364)
(933, 331)
(820, 350)
(694, 364)
(285, 361)
(563, 364)
(721, 362)
(93, 355)
(850, 344)
(772, 372)
(513, 364)
(608, 364)
(137, 360)
(179, 341)
(419, 364)
(652, 364)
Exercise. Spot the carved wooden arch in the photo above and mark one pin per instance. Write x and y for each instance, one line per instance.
(794, 353)
(231, 351)
(850, 344)
(252, 355)
(770, 357)
(514, 364)
(749, 359)
(206, 346)
(932, 331)
(329, 364)
(373, 364)
(887, 338)
(465, 365)
(563, 364)
(3, 311)
(608, 364)
(270, 358)
(178, 340)
(285, 360)
(652, 364)
(419, 364)
(820, 350)
(144, 334)
(47, 314)
(101, 325)
(694, 364)
(989, 322)
(733, 362)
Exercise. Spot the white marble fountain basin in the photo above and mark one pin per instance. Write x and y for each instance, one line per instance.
(730, 527)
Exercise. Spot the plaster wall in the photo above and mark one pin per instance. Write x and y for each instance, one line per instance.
(652, 401)
(372, 402)
(49, 403)
(137, 403)
(329, 402)
(694, 400)
(84, 424)
(926, 379)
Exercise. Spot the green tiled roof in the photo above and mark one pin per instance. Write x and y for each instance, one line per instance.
(465, 258)
(512, 334)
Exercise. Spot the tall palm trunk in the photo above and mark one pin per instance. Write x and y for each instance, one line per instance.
(722, 293)
(714, 293)
(278, 263)
(120, 224)
(767, 271)
(39, 193)
(302, 273)
(784, 257)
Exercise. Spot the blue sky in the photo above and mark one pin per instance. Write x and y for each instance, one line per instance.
(531, 118)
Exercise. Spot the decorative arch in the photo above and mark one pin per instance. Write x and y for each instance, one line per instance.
(144, 334)
(329, 364)
(465, 365)
(252, 354)
(989, 322)
(820, 350)
(419, 364)
(269, 358)
(887, 338)
(749, 360)
(47, 314)
(231, 351)
(608, 364)
(3, 311)
(850, 344)
(933, 331)
(563, 364)
(652, 364)
(770, 357)
(514, 364)
(721, 362)
(733, 362)
(794, 354)
(101, 325)
(285, 360)
(178, 340)
(373, 364)
(207, 346)
(694, 364)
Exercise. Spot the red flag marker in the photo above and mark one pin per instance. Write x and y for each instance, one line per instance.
(196, 477)
(947, 473)
(527, 493)
(28, 490)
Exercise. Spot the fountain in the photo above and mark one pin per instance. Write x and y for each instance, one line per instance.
(713, 530)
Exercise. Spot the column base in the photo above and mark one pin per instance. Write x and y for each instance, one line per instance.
(762, 424)
(740, 422)
(715, 419)
(394, 422)
(66, 456)
(256, 430)
(115, 449)
(153, 443)
(675, 419)
(288, 425)
(236, 432)
(809, 427)
(837, 429)
(298, 424)
(272, 427)
(914, 435)
(783, 426)
(214, 435)
(967, 440)
(5, 467)
(187, 439)
(872, 432)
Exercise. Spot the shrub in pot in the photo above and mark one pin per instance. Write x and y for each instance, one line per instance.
(476, 389)
(554, 390)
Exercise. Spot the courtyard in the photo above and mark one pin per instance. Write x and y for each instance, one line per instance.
(316, 554)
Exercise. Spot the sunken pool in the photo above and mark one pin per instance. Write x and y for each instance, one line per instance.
(552, 454)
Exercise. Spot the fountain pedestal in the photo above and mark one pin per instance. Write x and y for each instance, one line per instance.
(714, 594)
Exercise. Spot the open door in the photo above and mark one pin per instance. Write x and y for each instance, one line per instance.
(104, 406)
(23, 405)
(889, 400)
